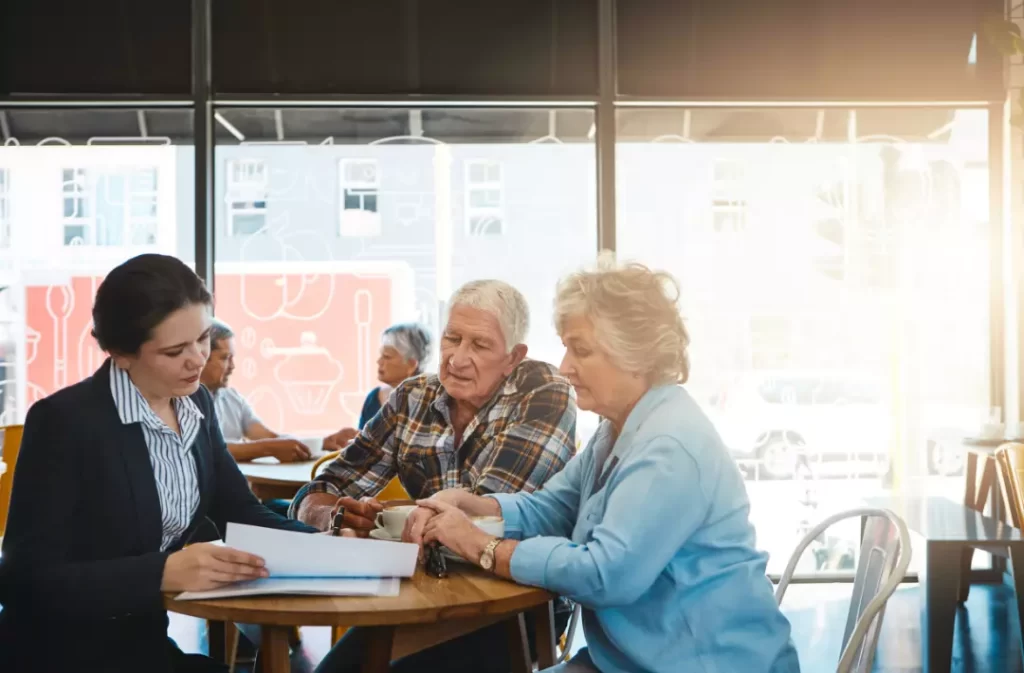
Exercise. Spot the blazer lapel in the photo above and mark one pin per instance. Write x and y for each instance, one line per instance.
(139, 469)
(204, 467)
(130, 445)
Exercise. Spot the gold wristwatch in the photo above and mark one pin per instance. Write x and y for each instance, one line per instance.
(487, 557)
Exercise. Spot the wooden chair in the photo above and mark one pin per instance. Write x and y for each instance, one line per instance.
(11, 445)
(1010, 463)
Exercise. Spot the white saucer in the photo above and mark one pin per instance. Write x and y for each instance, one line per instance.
(381, 534)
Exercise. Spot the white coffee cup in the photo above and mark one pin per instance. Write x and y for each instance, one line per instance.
(492, 525)
(314, 444)
(392, 519)
(993, 431)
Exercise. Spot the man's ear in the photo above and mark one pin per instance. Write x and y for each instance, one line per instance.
(517, 355)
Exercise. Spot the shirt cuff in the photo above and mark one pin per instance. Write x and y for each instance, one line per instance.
(510, 513)
(529, 563)
(311, 487)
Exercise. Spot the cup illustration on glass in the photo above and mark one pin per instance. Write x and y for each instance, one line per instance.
(307, 372)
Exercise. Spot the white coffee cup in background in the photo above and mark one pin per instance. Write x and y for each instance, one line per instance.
(392, 519)
(314, 444)
(993, 430)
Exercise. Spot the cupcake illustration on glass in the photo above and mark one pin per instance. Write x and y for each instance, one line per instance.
(307, 372)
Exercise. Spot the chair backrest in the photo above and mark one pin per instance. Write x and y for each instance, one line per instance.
(11, 443)
(321, 460)
(884, 558)
(393, 491)
(1010, 461)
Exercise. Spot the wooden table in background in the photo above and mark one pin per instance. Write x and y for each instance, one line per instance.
(981, 488)
(270, 479)
(427, 611)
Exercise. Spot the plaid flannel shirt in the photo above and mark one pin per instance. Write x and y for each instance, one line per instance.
(518, 441)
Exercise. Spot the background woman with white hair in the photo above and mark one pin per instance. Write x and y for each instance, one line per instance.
(404, 350)
(648, 528)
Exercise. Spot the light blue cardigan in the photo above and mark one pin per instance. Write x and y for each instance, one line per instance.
(658, 548)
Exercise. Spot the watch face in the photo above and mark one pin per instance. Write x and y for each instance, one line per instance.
(487, 561)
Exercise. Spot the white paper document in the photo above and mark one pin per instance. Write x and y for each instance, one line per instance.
(320, 565)
(298, 586)
(291, 554)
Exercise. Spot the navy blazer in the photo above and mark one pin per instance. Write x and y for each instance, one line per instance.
(81, 558)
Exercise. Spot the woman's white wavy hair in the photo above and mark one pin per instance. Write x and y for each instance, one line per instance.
(635, 313)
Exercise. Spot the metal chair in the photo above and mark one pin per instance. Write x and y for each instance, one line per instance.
(565, 642)
(884, 558)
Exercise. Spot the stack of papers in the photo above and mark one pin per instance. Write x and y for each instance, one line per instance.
(305, 564)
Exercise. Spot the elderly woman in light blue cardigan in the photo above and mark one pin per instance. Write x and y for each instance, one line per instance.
(648, 528)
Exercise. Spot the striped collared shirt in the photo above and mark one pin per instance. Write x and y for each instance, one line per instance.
(518, 441)
(174, 465)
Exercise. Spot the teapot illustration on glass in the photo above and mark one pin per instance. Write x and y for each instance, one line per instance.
(308, 373)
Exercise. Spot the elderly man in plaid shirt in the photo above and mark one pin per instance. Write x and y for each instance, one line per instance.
(490, 421)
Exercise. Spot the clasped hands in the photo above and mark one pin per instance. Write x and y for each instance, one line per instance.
(436, 519)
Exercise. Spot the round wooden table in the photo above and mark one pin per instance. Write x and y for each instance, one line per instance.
(427, 611)
(270, 478)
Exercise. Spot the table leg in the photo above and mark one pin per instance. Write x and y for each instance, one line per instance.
(215, 640)
(942, 570)
(518, 645)
(274, 656)
(377, 651)
(545, 618)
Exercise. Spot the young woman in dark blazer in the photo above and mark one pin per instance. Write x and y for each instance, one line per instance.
(115, 476)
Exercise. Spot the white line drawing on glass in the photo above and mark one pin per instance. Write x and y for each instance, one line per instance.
(268, 406)
(155, 141)
(292, 286)
(308, 395)
(90, 357)
(60, 302)
(363, 318)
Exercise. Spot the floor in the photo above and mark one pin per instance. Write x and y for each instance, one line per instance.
(987, 638)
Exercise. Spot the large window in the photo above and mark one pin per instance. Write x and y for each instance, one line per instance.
(113, 206)
(423, 200)
(835, 276)
(80, 192)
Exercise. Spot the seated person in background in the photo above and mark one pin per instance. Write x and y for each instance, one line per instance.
(404, 349)
(490, 421)
(115, 476)
(648, 529)
(246, 436)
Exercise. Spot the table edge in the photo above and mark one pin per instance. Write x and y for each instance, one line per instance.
(376, 617)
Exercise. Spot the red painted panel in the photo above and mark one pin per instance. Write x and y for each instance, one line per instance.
(306, 345)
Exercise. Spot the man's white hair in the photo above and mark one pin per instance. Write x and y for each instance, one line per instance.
(501, 300)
